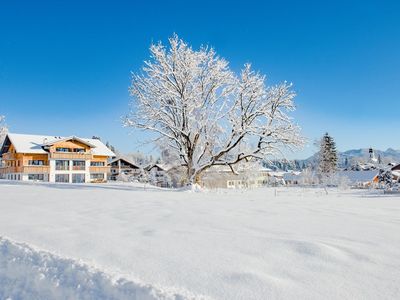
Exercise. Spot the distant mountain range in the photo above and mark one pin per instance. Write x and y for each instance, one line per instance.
(346, 158)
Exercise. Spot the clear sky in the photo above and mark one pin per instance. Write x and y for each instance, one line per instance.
(65, 65)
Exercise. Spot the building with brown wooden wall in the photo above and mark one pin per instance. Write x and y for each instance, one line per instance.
(54, 159)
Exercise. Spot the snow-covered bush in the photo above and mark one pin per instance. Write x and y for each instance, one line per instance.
(205, 114)
(125, 177)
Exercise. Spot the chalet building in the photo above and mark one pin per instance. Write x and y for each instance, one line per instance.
(122, 166)
(54, 159)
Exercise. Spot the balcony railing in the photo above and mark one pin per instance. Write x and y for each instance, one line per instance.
(6, 170)
(78, 168)
(25, 169)
(35, 169)
(62, 168)
(70, 155)
(99, 169)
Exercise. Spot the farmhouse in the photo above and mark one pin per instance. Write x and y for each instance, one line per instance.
(122, 166)
(54, 159)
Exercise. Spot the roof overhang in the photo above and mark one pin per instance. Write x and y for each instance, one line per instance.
(71, 138)
(125, 160)
(5, 146)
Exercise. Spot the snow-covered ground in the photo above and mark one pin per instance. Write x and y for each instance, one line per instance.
(118, 241)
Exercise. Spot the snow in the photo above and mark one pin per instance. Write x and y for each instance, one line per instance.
(286, 243)
(358, 176)
(29, 143)
(27, 273)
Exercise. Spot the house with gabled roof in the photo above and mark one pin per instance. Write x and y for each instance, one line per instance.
(158, 174)
(121, 166)
(54, 159)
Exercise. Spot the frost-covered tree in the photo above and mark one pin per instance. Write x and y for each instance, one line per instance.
(387, 180)
(3, 129)
(328, 159)
(198, 108)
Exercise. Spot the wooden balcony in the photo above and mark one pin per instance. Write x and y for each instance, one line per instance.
(25, 170)
(35, 169)
(99, 169)
(6, 170)
(71, 155)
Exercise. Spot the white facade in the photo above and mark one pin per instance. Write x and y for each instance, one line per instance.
(72, 172)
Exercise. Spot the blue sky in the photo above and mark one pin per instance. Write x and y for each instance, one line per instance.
(65, 65)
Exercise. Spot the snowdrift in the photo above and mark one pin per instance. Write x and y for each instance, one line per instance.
(28, 273)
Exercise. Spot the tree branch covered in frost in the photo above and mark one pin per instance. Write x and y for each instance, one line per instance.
(207, 115)
(3, 130)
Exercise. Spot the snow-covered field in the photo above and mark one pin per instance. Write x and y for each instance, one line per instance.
(118, 241)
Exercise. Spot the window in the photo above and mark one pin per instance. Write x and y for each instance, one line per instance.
(97, 176)
(79, 150)
(61, 149)
(39, 177)
(78, 178)
(97, 163)
(36, 162)
(62, 178)
(78, 165)
(62, 165)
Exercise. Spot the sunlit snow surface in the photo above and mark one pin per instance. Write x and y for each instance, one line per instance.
(120, 241)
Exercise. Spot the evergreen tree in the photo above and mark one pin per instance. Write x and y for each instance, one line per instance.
(327, 156)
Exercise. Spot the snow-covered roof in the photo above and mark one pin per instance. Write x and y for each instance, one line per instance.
(359, 176)
(127, 160)
(395, 167)
(396, 173)
(73, 138)
(294, 175)
(162, 167)
(29, 143)
(277, 173)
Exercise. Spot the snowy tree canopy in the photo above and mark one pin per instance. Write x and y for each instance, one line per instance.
(199, 109)
(3, 130)
(328, 158)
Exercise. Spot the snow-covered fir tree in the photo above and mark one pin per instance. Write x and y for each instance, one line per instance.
(198, 108)
(328, 158)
